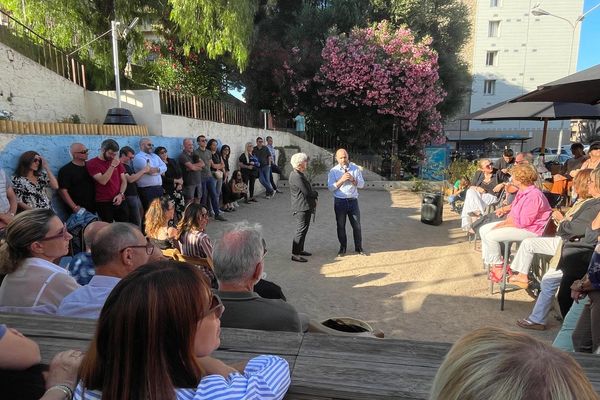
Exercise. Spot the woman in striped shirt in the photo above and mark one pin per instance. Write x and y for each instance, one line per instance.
(154, 339)
(193, 241)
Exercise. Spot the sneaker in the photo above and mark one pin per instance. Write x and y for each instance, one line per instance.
(278, 191)
(268, 196)
(235, 204)
(341, 252)
(219, 218)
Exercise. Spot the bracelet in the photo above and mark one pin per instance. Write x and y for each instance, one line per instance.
(63, 388)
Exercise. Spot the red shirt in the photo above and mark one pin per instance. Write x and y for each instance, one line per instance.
(112, 188)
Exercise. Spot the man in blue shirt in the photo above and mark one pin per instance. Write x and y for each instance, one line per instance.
(300, 124)
(117, 249)
(344, 180)
(149, 184)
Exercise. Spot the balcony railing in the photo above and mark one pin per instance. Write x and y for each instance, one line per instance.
(189, 106)
(24, 40)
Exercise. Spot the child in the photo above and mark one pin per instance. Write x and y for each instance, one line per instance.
(458, 193)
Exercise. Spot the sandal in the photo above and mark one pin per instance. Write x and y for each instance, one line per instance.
(527, 324)
(513, 281)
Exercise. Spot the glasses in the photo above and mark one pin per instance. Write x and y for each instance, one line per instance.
(149, 246)
(83, 151)
(216, 306)
(201, 140)
(37, 159)
(64, 234)
(163, 152)
(488, 166)
(264, 243)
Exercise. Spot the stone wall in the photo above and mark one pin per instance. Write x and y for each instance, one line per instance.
(34, 93)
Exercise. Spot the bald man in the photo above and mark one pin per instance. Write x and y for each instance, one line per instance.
(75, 185)
(343, 181)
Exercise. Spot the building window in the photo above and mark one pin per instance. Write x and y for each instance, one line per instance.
(494, 3)
(489, 87)
(494, 29)
(491, 58)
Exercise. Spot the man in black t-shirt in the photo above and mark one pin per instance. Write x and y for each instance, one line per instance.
(136, 210)
(264, 171)
(75, 185)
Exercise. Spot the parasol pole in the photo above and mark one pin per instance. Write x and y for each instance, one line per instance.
(543, 147)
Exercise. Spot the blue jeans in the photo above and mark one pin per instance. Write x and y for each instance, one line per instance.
(349, 208)
(209, 194)
(264, 175)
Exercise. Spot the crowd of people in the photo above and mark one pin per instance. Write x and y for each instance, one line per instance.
(167, 313)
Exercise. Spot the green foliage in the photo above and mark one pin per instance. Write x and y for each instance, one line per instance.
(218, 26)
(282, 159)
(420, 186)
(460, 168)
(72, 119)
(316, 167)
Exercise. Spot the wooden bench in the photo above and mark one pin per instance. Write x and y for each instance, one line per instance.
(322, 366)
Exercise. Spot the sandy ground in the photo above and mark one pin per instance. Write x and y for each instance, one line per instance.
(418, 281)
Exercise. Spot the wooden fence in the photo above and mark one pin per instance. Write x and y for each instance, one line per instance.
(59, 128)
(189, 106)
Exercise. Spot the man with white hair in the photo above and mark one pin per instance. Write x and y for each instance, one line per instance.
(304, 203)
(75, 185)
(150, 184)
(239, 259)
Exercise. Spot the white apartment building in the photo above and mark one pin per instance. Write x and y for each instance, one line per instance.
(512, 52)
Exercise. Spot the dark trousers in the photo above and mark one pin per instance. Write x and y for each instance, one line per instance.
(149, 193)
(111, 213)
(23, 385)
(274, 170)
(302, 224)
(586, 336)
(136, 210)
(249, 179)
(348, 208)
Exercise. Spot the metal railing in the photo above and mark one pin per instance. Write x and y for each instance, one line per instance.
(28, 43)
(196, 107)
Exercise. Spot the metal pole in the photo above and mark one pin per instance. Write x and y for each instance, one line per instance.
(115, 49)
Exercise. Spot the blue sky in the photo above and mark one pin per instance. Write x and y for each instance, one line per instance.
(589, 46)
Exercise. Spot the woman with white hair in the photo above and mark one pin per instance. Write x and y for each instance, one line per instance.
(304, 202)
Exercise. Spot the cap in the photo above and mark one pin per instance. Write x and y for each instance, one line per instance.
(594, 146)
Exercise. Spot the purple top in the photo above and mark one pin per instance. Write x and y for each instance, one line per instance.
(530, 210)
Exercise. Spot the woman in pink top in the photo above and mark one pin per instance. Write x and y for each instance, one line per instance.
(527, 218)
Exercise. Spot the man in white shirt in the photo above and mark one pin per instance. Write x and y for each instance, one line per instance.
(150, 184)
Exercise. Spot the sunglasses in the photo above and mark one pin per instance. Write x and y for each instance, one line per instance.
(64, 234)
(201, 140)
(82, 151)
(216, 306)
(149, 246)
(37, 159)
(489, 166)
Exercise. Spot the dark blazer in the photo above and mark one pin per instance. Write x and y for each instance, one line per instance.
(304, 198)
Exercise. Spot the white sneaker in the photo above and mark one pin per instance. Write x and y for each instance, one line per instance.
(235, 204)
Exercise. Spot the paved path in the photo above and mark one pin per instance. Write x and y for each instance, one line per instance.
(419, 282)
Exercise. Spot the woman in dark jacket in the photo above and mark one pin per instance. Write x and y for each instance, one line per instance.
(249, 165)
(304, 202)
(172, 182)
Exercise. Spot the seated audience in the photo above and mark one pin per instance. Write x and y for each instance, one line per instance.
(506, 162)
(570, 225)
(238, 189)
(586, 337)
(81, 266)
(459, 191)
(528, 216)
(193, 240)
(249, 165)
(593, 160)
(228, 202)
(494, 364)
(239, 264)
(16, 351)
(172, 182)
(156, 333)
(62, 375)
(118, 249)
(32, 178)
(8, 201)
(159, 218)
(487, 185)
(33, 283)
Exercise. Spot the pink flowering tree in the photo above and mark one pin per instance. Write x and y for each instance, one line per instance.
(375, 78)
